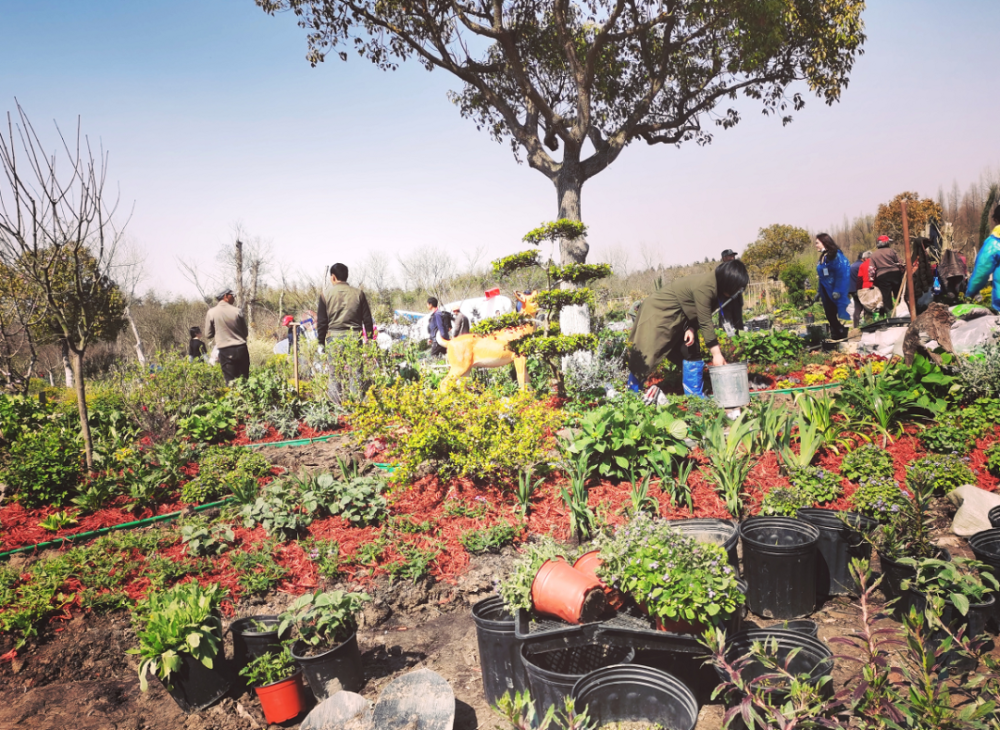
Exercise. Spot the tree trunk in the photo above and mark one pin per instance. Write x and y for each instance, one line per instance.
(81, 403)
(254, 277)
(238, 267)
(569, 185)
(67, 366)
(135, 332)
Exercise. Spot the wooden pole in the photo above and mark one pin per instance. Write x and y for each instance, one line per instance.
(295, 348)
(911, 298)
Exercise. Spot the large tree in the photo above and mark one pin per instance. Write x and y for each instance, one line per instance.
(776, 246)
(592, 77)
(919, 211)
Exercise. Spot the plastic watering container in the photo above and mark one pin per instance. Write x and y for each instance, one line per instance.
(730, 385)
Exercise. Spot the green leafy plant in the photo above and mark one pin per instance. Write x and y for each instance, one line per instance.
(208, 423)
(676, 486)
(258, 571)
(325, 554)
(284, 420)
(519, 712)
(620, 436)
(878, 402)
(960, 581)
(640, 497)
(774, 425)
(820, 485)
(490, 539)
(767, 347)
(526, 488)
(415, 562)
(515, 589)
(282, 508)
(360, 500)
(866, 462)
(323, 620)
(946, 471)
(582, 520)
(671, 573)
(203, 539)
(320, 416)
(946, 440)
(269, 668)
(43, 467)
(979, 418)
(730, 460)
(993, 459)
(905, 531)
(784, 501)
(178, 620)
(811, 440)
(224, 469)
(256, 430)
(879, 497)
(57, 521)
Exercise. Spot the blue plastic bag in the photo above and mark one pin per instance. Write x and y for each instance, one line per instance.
(633, 384)
(693, 372)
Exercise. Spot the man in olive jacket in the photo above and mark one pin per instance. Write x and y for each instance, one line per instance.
(227, 325)
(342, 310)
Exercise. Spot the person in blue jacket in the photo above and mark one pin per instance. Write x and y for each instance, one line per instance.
(987, 263)
(834, 274)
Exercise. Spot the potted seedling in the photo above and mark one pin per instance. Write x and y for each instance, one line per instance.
(543, 580)
(326, 648)
(180, 643)
(960, 586)
(685, 585)
(254, 636)
(278, 684)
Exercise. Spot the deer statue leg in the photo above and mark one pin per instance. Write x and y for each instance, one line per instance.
(521, 368)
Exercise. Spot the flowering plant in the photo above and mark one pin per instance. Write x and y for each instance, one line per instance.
(672, 574)
(879, 497)
(821, 485)
(867, 461)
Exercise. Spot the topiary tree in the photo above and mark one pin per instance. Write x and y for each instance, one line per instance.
(547, 341)
(774, 247)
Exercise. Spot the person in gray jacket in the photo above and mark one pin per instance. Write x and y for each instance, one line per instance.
(459, 323)
(227, 325)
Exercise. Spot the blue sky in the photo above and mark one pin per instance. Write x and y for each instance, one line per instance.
(212, 115)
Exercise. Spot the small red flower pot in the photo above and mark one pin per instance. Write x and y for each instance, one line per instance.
(588, 563)
(282, 700)
(562, 591)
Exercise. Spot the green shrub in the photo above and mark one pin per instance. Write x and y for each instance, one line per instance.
(258, 571)
(489, 539)
(946, 440)
(979, 418)
(208, 423)
(820, 485)
(465, 432)
(980, 372)
(267, 388)
(879, 497)
(43, 467)
(20, 414)
(947, 471)
(784, 502)
(358, 500)
(866, 462)
(993, 460)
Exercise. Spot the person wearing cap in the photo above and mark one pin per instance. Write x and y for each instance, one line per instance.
(342, 309)
(459, 323)
(226, 324)
(886, 270)
(728, 255)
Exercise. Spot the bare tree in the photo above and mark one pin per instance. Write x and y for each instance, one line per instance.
(616, 256)
(650, 256)
(427, 269)
(245, 264)
(58, 240)
(375, 272)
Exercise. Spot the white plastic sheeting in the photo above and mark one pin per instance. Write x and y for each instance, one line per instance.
(965, 337)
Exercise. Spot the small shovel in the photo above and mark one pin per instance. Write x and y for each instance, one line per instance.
(420, 700)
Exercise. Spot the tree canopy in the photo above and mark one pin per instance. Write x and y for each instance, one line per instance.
(774, 248)
(889, 219)
(591, 77)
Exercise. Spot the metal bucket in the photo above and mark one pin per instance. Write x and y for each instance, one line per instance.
(730, 385)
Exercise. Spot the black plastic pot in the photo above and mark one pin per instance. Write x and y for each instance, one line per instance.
(893, 574)
(812, 658)
(553, 672)
(780, 566)
(801, 625)
(708, 529)
(838, 545)
(250, 643)
(994, 515)
(499, 650)
(195, 687)
(627, 693)
(333, 670)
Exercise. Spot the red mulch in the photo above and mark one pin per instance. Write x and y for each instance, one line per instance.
(304, 432)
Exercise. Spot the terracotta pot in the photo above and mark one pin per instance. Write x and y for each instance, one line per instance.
(588, 563)
(562, 591)
(282, 700)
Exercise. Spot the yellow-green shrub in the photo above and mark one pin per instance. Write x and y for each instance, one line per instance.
(468, 433)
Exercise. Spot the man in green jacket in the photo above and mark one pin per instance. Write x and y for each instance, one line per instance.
(342, 310)
(667, 321)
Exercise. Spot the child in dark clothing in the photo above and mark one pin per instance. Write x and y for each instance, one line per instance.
(196, 348)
